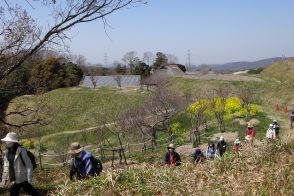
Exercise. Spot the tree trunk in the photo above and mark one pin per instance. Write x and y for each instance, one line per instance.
(154, 143)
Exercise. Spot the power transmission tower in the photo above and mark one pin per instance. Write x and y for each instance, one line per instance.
(189, 59)
(105, 60)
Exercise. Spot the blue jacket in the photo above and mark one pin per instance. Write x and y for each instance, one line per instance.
(82, 167)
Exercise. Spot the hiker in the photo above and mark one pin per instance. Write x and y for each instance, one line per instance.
(276, 127)
(198, 156)
(236, 145)
(292, 119)
(270, 133)
(210, 152)
(221, 146)
(250, 132)
(17, 168)
(84, 164)
(172, 158)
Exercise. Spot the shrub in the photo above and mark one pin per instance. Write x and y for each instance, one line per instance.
(28, 144)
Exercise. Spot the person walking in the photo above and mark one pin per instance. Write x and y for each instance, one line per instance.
(83, 164)
(221, 146)
(236, 145)
(276, 127)
(210, 151)
(198, 155)
(17, 168)
(250, 133)
(270, 133)
(172, 158)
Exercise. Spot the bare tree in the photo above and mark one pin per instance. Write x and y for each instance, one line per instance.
(247, 95)
(61, 149)
(130, 59)
(94, 80)
(218, 101)
(118, 79)
(148, 58)
(21, 37)
(172, 59)
(80, 60)
(197, 119)
(163, 104)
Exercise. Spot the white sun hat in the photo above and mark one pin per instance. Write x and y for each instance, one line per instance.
(237, 141)
(11, 137)
(171, 146)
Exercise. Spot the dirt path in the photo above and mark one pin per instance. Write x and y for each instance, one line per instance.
(230, 77)
(72, 131)
(282, 118)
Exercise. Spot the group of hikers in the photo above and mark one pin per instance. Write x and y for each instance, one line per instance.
(172, 158)
(18, 165)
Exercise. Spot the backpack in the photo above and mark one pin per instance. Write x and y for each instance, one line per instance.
(97, 165)
(31, 157)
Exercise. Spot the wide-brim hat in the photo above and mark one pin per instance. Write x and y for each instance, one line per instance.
(237, 141)
(11, 137)
(171, 146)
(75, 148)
(249, 125)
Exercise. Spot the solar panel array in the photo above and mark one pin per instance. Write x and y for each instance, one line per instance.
(109, 81)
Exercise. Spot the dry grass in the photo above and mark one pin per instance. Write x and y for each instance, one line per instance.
(265, 171)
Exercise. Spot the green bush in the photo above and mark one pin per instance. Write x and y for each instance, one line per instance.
(28, 144)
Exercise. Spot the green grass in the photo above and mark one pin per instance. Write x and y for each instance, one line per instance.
(74, 109)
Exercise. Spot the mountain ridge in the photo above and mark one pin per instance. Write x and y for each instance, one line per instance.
(243, 65)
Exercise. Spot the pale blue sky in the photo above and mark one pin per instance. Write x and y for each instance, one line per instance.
(215, 31)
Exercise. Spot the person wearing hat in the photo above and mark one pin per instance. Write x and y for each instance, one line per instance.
(270, 133)
(17, 168)
(276, 127)
(172, 158)
(83, 162)
(210, 151)
(250, 132)
(236, 145)
(221, 146)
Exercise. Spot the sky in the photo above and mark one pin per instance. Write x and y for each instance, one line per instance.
(215, 31)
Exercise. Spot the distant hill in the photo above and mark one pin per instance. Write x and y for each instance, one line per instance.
(245, 65)
(281, 70)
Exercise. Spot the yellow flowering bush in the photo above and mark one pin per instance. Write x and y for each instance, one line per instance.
(28, 144)
(232, 106)
(176, 128)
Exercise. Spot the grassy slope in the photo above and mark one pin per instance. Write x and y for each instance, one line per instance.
(263, 172)
(79, 107)
(266, 171)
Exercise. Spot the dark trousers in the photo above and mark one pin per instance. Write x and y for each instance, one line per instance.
(15, 189)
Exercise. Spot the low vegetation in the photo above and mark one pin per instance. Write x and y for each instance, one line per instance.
(265, 171)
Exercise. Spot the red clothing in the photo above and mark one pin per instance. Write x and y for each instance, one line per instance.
(235, 148)
(250, 132)
(171, 159)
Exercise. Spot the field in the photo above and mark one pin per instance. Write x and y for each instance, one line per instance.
(248, 173)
